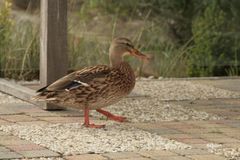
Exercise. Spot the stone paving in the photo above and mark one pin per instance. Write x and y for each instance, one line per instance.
(198, 134)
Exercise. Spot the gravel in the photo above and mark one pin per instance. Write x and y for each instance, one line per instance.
(153, 107)
(229, 153)
(153, 110)
(73, 138)
(165, 90)
(149, 104)
(181, 90)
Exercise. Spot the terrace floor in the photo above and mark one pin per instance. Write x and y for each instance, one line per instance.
(193, 139)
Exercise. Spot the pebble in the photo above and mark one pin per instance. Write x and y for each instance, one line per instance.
(229, 153)
(154, 110)
(153, 105)
(73, 138)
(181, 90)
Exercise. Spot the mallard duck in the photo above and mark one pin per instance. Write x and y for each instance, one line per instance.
(93, 88)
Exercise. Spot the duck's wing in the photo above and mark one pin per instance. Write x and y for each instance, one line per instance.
(77, 79)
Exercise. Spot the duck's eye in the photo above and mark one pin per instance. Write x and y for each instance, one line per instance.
(129, 45)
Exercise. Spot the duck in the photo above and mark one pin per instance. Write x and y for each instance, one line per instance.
(96, 87)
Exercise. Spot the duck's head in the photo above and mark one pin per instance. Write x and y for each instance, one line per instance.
(121, 47)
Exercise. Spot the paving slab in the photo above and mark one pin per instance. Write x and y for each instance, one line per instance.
(4, 122)
(191, 152)
(141, 158)
(172, 158)
(17, 118)
(180, 136)
(164, 131)
(86, 157)
(208, 136)
(183, 125)
(122, 155)
(233, 124)
(157, 153)
(69, 113)
(12, 140)
(25, 147)
(232, 145)
(206, 157)
(199, 146)
(157, 128)
(37, 122)
(192, 141)
(208, 124)
(39, 153)
(10, 155)
(158, 125)
(15, 108)
(224, 140)
(4, 149)
(227, 84)
(227, 108)
(34, 110)
(60, 119)
(7, 137)
(42, 114)
(233, 135)
(230, 131)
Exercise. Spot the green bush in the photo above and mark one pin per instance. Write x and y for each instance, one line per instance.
(215, 46)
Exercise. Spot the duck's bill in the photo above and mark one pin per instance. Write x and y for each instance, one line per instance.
(138, 54)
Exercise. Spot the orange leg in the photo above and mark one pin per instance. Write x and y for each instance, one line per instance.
(111, 116)
(86, 120)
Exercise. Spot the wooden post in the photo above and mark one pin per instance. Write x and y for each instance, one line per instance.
(53, 50)
(53, 39)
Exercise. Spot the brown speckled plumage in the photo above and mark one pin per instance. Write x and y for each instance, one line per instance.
(98, 86)
(106, 85)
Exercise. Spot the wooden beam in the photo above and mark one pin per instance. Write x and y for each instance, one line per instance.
(53, 50)
(25, 94)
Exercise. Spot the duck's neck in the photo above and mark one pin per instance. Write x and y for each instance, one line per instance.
(115, 60)
(127, 73)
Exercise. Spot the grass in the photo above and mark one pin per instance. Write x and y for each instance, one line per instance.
(21, 59)
(87, 48)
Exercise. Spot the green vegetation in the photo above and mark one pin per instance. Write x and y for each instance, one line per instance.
(216, 42)
(184, 37)
(19, 47)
